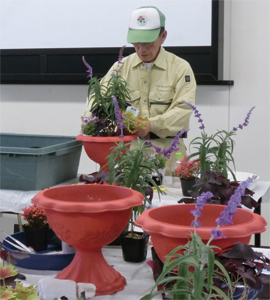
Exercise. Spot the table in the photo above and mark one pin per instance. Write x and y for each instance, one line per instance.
(14, 201)
(139, 276)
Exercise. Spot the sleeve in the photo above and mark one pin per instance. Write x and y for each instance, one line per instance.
(177, 116)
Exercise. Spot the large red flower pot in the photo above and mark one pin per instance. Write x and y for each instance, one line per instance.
(89, 217)
(169, 226)
(98, 147)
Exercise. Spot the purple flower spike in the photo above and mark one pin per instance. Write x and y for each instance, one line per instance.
(173, 147)
(216, 233)
(196, 113)
(231, 208)
(246, 121)
(201, 200)
(120, 58)
(89, 68)
(119, 117)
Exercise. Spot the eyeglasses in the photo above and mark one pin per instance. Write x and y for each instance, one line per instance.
(146, 45)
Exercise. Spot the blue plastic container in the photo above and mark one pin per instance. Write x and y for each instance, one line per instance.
(40, 260)
(35, 162)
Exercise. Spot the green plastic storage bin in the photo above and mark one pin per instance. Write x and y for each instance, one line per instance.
(35, 162)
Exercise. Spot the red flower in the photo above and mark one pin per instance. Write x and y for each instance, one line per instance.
(35, 216)
(187, 168)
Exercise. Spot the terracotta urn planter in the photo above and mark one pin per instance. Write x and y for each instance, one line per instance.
(98, 147)
(169, 226)
(89, 217)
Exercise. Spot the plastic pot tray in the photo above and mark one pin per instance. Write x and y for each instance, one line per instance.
(35, 162)
(50, 259)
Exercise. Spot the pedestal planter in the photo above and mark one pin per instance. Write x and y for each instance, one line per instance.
(36, 237)
(98, 147)
(89, 217)
(134, 249)
(169, 226)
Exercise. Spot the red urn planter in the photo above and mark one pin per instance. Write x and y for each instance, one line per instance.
(89, 217)
(169, 226)
(98, 147)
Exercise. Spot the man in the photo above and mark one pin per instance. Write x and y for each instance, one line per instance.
(158, 80)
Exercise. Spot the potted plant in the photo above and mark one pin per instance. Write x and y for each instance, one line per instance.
(192, 271)
(215, 151)
(101, 130)
(187, 170)
(36, 229)
(133, 169)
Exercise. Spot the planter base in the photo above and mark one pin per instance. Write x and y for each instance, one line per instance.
(92, 267)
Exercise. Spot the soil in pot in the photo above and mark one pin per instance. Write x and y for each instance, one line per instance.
(134, 246)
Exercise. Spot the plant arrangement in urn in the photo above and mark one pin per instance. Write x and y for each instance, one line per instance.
(102, 95)
(36, 228)
(192, 271)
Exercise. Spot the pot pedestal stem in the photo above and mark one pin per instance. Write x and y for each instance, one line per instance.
(91, 267)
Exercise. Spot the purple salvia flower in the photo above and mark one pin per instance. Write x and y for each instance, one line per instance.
(120, 58)
(217, 233)
(246, 121)
(231, 208)
(89, 68)
(196, 114)
(119, 117)
(173, 147)
(201, 200)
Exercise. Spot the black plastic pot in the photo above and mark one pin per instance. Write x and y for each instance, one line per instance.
(36, 237)
(187, 186)
(134, 248)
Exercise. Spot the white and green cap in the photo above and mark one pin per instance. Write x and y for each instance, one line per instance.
(144, 25)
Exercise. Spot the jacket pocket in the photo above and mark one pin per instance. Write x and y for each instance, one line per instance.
(160, 100)
(134, 99)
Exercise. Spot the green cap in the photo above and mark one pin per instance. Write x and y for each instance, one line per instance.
(144, 25)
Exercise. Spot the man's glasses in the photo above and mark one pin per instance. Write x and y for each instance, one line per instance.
(146, 45)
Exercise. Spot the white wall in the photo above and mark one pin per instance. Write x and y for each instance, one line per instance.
(55, 109)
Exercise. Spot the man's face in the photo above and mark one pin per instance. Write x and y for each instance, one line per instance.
(149, 51)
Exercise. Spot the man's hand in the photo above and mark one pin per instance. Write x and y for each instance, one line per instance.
(143, 132)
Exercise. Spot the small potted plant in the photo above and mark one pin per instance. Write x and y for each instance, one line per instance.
(132, 168)
(187, 171)
(36, 228)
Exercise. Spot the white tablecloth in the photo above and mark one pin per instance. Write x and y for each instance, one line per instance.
(15, 201)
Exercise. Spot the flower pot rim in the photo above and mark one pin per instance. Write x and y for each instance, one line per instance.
(153, 226)
(53, 198)
(105, 139)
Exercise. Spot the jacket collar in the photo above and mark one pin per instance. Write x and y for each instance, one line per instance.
(160, 61)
